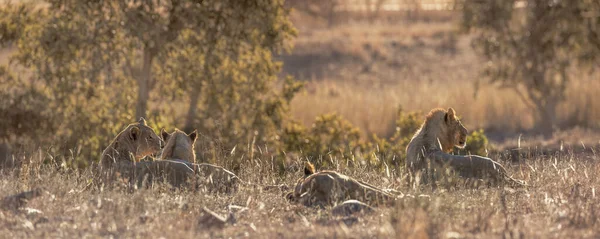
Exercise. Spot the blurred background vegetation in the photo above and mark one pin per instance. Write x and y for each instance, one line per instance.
(338, 82)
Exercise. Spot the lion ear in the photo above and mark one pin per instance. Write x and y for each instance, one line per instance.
(142, 121)
(134, 132)
(164, 134)
(309, 169)
(450, 115)
(193, 135)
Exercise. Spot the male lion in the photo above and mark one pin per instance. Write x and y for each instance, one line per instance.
(329, 188)
(429, 150)
(176, 167)
(132, 144)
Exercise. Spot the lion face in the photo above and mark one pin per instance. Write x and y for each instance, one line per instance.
(456, 130)
(146, 141)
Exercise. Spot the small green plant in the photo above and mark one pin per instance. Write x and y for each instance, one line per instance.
(406, 126)
(477, 143)
(330, 138)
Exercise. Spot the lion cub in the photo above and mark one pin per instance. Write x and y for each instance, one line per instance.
(328, 188)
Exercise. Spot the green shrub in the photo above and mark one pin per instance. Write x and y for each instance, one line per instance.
(332, 138)
(406, 126)
(82, 68)
(477, 143)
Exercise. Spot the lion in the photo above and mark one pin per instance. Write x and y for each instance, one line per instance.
(135, 142)
(328, 188)
(430, 149)
(176, 166)
(132, 144)
(181, 147)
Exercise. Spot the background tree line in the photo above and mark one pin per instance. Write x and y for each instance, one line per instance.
(84, 69)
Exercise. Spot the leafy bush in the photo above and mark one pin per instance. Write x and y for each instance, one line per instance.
(330, 140)
(406, 126)
(393, 151)
(477, 143)
(81, 75)
(88, 68)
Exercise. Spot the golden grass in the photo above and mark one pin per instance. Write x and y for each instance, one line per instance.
(373, 108)
(413, 73)
(561, 202)
(364, 73)
(372, 33)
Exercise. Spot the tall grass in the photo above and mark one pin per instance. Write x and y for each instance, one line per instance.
(373, 108)
(560, 202)
(365, 72)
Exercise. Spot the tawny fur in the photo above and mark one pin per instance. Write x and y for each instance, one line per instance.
(177, 169)
(327, 188)
(435, 134)
(180, 173)
(132, 144)
(137, 140)
(429, 149)
(179, 145)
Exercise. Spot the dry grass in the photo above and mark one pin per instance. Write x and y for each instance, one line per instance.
(561, 202)
(373, 107)
(365, 72)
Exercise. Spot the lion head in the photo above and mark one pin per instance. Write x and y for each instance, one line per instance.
(443, 129)
(309, 169)
(143, 138)
(179, 145)
(137, 139)
(456, 132)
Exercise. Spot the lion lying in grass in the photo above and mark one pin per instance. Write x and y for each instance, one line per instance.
(135, 142)
(429, 151)
(327, 188)
(177, 169)
(132, 144)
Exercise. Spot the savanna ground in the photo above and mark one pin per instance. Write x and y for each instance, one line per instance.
(364, 72)
(560, 202)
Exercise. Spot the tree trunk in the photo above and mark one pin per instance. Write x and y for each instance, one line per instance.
(195, 93)
(144, 84)
(331, 14)
(547, 119)
(193, 108)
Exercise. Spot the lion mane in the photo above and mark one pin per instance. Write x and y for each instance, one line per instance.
(429, 151)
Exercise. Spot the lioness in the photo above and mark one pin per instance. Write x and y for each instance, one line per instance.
(176, 167)
(132, 144)
(429, 150)
(329, 188)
